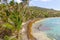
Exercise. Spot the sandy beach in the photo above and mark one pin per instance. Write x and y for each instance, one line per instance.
(39, 35)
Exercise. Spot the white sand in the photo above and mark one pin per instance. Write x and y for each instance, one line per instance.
(40, 36)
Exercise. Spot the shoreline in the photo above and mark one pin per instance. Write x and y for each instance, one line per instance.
(29, 27)
(40, 34)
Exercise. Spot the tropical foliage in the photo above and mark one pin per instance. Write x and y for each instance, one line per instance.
(13, 14)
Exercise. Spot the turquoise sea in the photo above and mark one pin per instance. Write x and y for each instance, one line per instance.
(51, 26)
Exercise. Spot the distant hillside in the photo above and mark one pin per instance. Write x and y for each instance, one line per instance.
(44, 12)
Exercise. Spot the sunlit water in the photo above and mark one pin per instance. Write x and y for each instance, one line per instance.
(51, 26)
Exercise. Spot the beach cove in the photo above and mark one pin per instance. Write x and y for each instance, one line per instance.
(46, 29)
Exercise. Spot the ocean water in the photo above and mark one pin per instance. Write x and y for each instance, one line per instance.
(51, 26)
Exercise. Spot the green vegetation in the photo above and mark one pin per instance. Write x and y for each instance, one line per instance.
(13, 14)
(39, 12)
(11, 17)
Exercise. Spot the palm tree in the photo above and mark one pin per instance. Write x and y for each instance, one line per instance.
(26, 2)
(26, 5)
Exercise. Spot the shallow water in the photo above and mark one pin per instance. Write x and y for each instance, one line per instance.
(50, 26)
